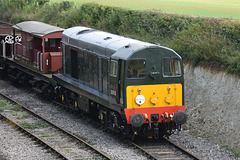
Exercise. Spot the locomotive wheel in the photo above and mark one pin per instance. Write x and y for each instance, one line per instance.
(47, 92)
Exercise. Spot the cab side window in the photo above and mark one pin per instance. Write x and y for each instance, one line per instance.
(114, 68)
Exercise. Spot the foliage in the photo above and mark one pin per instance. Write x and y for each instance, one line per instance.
(149, 25)
(35, 125)
(15, 11)
(23, 115)
(197, 39)
(3, 103)
(208, 41)
(236, 153)
(53, 13)
(5, 106)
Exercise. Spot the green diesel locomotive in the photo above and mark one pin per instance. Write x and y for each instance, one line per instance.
(131, 86)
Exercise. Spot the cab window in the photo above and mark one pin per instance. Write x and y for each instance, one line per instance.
(114, 68)
(136, 68)
(171, 67)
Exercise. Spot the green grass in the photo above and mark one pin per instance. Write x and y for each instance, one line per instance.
(2, 105)
(28, 125)
(206, 8)
(236, 154)
(5, 106)
(44, 135)
(23, 115)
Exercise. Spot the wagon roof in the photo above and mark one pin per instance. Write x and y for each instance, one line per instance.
(36, 28)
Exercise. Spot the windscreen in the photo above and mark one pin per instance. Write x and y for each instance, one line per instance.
(171, 67)
(136, 68)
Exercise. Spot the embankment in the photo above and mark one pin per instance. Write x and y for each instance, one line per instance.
(213, 105)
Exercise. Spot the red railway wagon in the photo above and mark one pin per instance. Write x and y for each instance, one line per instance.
(40, 46)
(6, 32)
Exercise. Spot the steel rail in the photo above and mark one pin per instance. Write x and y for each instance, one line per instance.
(182, 149)
(59, 128)
(151, 156)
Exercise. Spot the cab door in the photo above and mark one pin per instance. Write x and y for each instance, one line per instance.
(115, 66)
(74, 64)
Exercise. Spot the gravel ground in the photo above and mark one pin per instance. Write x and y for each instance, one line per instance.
(17, 146)
(204, 148)
(107, 142)
(65, 118)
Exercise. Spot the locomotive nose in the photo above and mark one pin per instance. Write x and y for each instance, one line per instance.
(180, 117)
(137, 120)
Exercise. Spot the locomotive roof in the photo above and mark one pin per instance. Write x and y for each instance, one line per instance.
(103, 43)
(36, 28)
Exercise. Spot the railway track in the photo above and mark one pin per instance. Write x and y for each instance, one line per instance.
(64, 144)
(162, 149)
(149, 147)
(30, 135)
(159, 150)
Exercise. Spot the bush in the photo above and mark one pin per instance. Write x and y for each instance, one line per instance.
(208, 41)
(53, 13)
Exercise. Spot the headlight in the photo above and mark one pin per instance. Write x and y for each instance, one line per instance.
(140, 99)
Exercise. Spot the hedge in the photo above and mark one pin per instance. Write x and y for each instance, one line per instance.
(208, 40)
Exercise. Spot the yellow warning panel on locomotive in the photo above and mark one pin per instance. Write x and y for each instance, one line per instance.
(145, 96)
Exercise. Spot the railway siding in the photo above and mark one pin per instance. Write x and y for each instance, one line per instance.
(71, 122)
(67, 146)
(14, 145)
